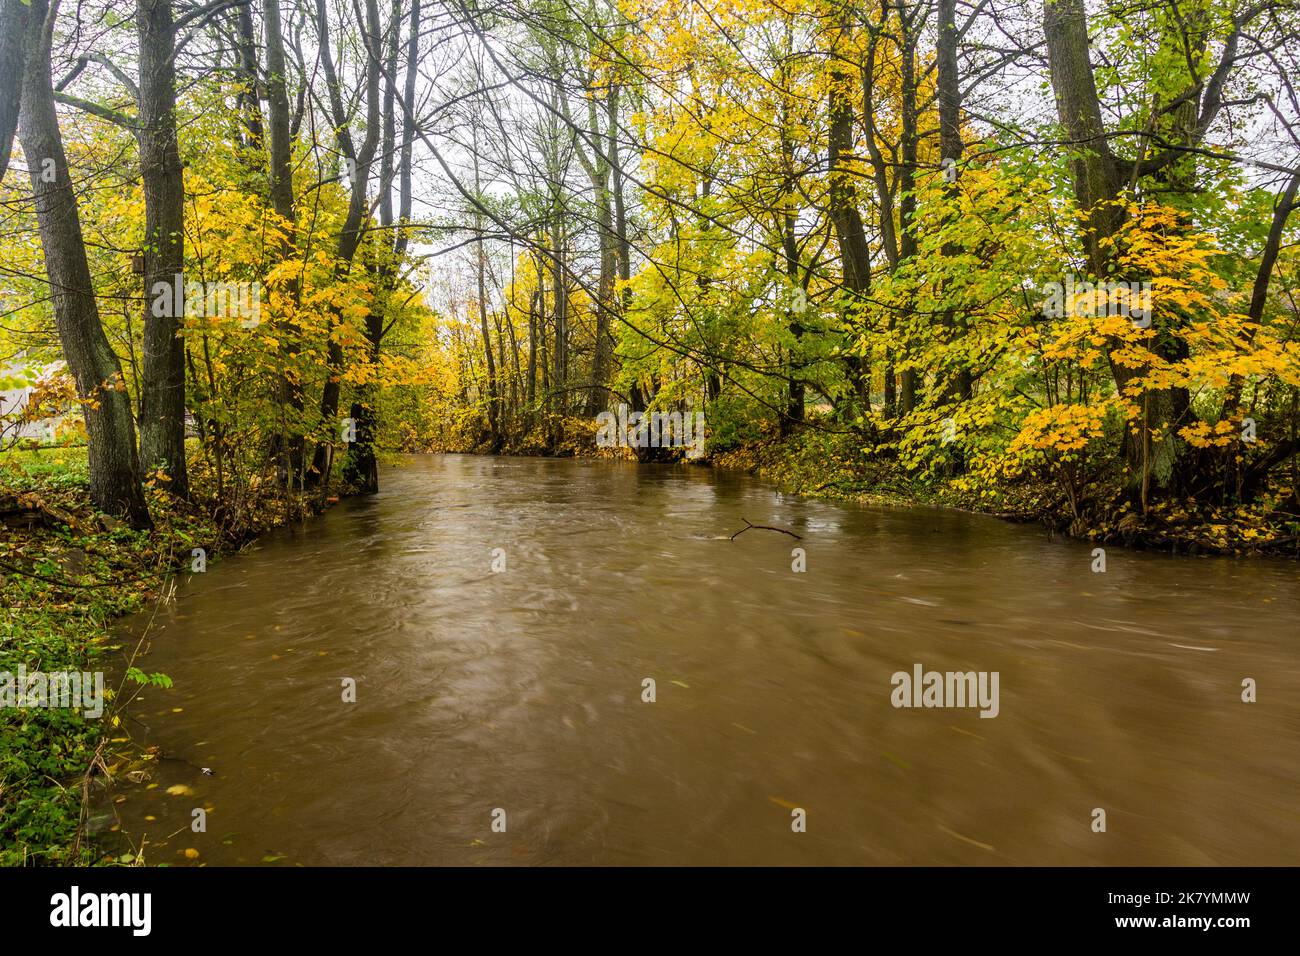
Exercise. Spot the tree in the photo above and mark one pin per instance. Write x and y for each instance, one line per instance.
(13, 30)
(162, 405)
(358, 163)
(114, 463)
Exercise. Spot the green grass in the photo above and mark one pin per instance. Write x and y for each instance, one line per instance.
(51, 624)
(29, 469)
(52, 621)
(45, 752)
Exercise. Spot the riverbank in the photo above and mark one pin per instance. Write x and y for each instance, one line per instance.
(823, 461)
(826, 464)
(66, 574)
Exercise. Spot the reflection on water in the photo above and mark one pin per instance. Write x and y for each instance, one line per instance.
(522, 690)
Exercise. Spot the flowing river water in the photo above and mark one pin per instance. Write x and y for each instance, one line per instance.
(522, 690)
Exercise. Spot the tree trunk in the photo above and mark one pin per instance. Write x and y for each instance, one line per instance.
(907, 180)
(288, 445)
(162, 404)
(1096, 176)
(114, 464)
(1097, 182)
(350, 234)
(561, 351)
(951, 148)
(536, 305)
(249, 107)
(13, 31)
(606, 304)
(493, 386)
(855, 256)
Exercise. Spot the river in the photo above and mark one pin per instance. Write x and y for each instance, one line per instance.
(516, 698)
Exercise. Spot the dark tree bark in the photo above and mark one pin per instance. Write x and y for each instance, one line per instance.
(493, 384)
(855, 255)
(1096, 175)
(910, 142)
(287, 448)
(599, 169)
(114, 464)
(495, 435)
(249, 106)
(786, 223)
(795, 409)
(13, 30)
(162, 404)
(277, 97)
(361, 470)
(948, 84)
(359, 161)
(884, 192)
(561, 350)
(536, 305)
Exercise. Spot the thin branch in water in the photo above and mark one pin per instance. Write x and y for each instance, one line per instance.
(762, 527)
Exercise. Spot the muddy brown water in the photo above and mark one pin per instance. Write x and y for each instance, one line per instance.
(522, 690)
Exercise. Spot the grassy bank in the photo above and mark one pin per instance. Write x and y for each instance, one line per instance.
(66, 573)
(833, 465)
